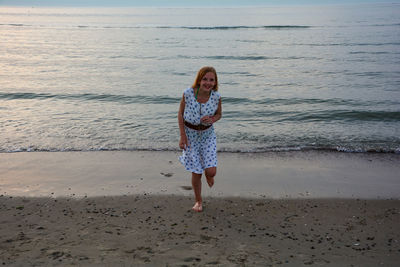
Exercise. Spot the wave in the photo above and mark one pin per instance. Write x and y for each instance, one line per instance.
(270, 27)
(346, 44)
(241, 73)
(345, 115)
(373, 53)
(302, 116)
(220, 27)
(124, 99)
(15, 25)
(239, 57)
(309, 101)
(343, 149)
(92, 97)
(247, 58)
(384, 25)
(238, 27)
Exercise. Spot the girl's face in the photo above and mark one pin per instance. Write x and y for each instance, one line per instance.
(208, 82)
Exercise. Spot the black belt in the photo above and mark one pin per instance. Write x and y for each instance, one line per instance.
(199, 127)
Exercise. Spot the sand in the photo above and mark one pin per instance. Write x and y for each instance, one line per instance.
(162, 231)
(133, 209)
(272, 175)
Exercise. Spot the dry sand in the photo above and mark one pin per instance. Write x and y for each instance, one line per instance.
(272, 209)
(162, 231)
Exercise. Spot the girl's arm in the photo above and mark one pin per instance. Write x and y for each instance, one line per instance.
(212, 119)
(183, 143)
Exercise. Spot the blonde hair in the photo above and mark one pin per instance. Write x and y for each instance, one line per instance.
(203, 71)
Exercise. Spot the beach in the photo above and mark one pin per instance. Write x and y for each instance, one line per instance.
(69, 212)
(308, 144)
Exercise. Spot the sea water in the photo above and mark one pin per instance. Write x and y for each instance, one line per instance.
(291, 77)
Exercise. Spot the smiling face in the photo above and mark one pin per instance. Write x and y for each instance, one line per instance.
(207, 83)
(206, 79)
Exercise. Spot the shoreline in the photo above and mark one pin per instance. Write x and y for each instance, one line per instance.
(295, 174)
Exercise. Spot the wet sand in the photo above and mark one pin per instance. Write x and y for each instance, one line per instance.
(273, 175)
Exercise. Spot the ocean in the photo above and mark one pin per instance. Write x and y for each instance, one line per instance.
(291, 77)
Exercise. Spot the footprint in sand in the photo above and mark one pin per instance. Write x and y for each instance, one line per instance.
(186, 187)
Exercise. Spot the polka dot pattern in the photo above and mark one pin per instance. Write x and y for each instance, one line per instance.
(202, 150)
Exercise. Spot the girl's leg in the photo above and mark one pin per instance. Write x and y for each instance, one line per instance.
(196, 183)
(210, 173)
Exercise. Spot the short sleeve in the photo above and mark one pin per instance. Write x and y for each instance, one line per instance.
(218, 95)
(186, 94)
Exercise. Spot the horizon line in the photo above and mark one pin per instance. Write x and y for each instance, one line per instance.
(201, 6)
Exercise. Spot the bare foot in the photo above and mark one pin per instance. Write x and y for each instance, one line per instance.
(210, 181)
(198, 207)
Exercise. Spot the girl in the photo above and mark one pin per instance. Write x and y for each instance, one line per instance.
(200, 108)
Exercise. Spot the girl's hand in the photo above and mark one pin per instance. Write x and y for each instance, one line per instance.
(183, 142)
(207, 120)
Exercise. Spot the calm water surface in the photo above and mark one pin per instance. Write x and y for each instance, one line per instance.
(291, 78)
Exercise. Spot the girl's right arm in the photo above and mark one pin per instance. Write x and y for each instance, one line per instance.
(183, 142)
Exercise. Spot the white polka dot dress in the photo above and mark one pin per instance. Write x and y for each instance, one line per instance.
(202, 150)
